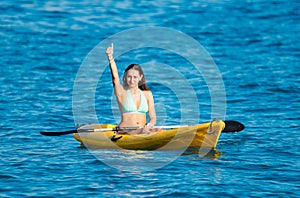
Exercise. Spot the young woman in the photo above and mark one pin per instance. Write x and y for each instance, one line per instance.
(134, 98)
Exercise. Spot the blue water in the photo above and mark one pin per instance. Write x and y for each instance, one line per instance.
(255, 45)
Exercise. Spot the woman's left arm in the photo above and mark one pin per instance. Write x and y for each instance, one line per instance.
(151, 113)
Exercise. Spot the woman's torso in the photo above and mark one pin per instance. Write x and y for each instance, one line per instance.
(133, 109)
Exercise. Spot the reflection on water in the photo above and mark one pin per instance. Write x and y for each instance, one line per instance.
(211, 154)
(197, 153)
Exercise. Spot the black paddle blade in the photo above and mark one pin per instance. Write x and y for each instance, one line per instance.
(58, 133)
(232, 126)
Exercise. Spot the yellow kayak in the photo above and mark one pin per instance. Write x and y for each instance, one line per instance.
(201, 135)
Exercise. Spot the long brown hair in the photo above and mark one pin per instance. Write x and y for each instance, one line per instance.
(142, 83)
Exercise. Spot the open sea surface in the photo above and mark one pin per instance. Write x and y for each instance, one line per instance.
(255, 45)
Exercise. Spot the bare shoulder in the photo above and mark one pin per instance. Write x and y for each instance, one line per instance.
(148, 94)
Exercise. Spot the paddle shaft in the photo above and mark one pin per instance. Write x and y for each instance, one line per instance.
(100, 130)
(230, 127)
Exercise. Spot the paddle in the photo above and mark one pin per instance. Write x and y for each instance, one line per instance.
(230, 127)
(86, 130)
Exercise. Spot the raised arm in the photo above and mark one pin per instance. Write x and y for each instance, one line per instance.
(113, 66)
(114, 72)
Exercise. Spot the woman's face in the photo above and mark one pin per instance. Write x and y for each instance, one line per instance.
(133, 78)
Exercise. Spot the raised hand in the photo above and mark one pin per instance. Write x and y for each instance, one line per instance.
(110, 50)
